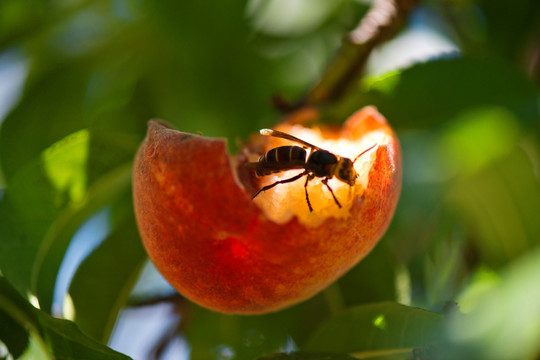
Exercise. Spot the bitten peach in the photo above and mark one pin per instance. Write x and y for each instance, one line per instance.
(227, 252)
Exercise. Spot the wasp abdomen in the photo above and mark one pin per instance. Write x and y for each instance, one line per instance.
(284, 154)
(280, 159)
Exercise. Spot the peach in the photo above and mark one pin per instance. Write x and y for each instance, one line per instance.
(227, 252)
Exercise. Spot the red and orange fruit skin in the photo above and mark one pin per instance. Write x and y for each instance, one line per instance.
(215, 246)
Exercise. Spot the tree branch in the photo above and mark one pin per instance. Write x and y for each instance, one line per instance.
(383, 21)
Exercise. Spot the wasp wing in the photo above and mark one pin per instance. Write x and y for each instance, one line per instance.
(280, 134)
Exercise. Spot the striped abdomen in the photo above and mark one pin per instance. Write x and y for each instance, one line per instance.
(280, 159)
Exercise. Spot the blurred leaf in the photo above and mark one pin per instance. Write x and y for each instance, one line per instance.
(212, 335)
(505, 324)
(306, 356)
(476, 138)
(22, 20)
(26, 211)
(410, 233)
(444, 268)
(386, 327)
(102, 283)
(48, 154)
(509, 26)
(303, 355)
(430, 93)
(291, 18)
(114, 140)
(204, 76)
(12, 334)
(501, 205)
(106, 190)
(43, 153)
(36, 233)
(360, 286)
(479, 283)
(45, 114)
(60, 339)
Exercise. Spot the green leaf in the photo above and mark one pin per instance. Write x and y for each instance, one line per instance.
(17, 319)
(36, 233)
(476, 138)
(356, 287)
(27, 209)
(508, 32)
(303, 355)
(384, 327)
(40, 119)
(434, 92)
(504, 322)
(211, 334)
(12, 334)
(108, 189)
(103, 282)
(306, 356)
(60, 339)
(501, 205)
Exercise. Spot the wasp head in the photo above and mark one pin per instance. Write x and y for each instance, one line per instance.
(345, 171)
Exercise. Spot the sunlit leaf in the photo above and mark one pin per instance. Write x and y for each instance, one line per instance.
(386, 327)
(65, 162)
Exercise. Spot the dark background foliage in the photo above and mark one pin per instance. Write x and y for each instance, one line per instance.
(80, 79)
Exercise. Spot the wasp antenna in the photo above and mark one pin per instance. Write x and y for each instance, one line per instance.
(365, 151)
(266, 131)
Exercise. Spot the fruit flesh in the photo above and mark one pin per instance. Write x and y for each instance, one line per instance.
(218, 248)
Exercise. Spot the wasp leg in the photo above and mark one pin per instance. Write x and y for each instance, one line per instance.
(309, 177)
(325, 182)
(268, 187)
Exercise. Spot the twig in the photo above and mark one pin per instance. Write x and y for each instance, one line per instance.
(383, 21)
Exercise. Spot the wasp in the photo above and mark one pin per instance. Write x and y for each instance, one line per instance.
(320, 163)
